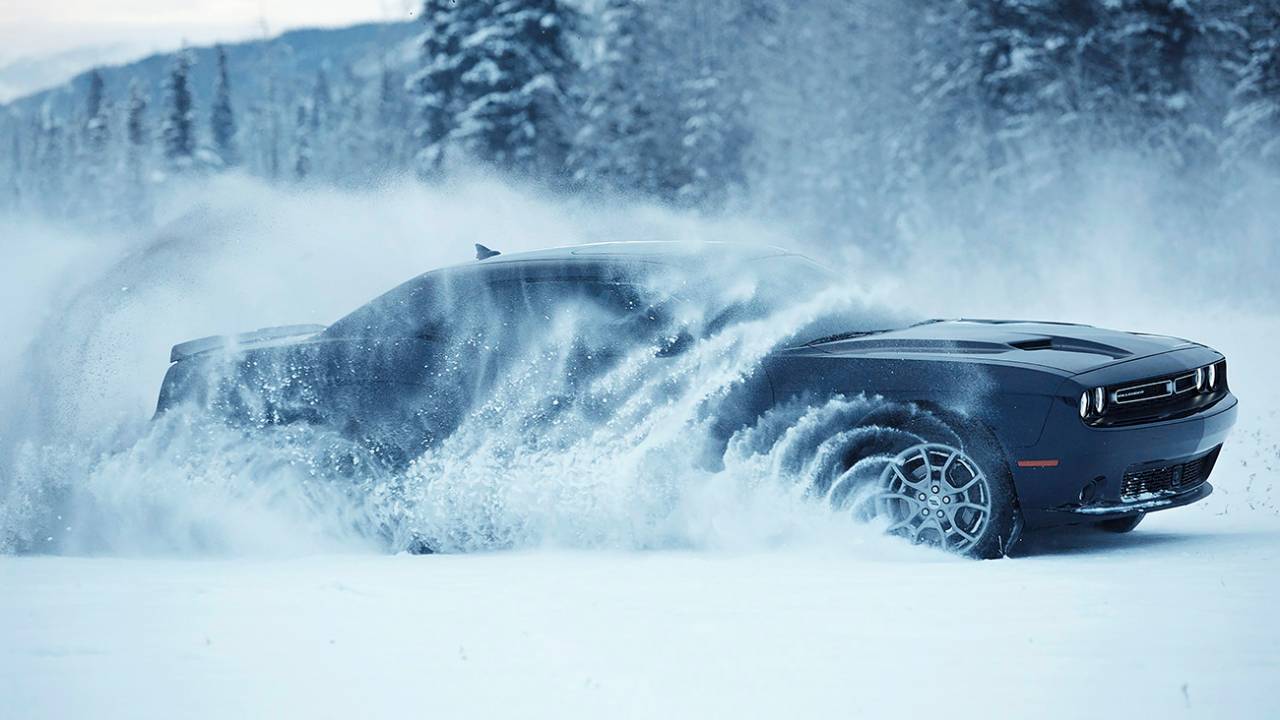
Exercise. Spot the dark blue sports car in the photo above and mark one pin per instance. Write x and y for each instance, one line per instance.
(981, 427)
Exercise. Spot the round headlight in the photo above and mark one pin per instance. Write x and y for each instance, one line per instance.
(1099, 399)
(1084, 404)
(1199, 378)
(1213, 376)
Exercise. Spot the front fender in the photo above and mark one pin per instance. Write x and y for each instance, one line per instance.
(1013, 400)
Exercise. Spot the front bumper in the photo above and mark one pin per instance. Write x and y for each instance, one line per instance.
(1088, 481)
(1089, 512)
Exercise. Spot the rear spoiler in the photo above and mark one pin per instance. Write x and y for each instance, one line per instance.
(184, 350)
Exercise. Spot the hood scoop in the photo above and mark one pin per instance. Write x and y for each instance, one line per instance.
(922, 345)
(1069, 344)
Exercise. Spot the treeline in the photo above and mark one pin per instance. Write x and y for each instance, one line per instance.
(863, 115)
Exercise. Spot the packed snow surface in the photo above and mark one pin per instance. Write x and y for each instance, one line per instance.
(1175, 620)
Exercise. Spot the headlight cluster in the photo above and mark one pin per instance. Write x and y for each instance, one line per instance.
(1205, 379)
(1093, 402)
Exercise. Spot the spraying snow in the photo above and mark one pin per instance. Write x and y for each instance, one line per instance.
(779, 581)
(624, 466)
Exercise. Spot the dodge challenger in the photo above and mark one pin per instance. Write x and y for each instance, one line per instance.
(984, 427)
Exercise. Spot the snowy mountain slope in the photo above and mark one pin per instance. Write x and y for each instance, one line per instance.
(289, 60)
(23, 76)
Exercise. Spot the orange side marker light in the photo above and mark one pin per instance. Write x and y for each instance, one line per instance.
(1037, 463)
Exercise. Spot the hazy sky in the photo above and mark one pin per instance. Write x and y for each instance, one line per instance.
(33, 27)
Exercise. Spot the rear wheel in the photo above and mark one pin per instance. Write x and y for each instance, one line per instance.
(1121, 525)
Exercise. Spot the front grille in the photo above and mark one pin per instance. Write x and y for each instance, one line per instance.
(1147, 391)
(1156, 399)
(1147, 482)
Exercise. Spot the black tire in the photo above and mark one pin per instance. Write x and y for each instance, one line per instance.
(894, 431)
(1121, 525)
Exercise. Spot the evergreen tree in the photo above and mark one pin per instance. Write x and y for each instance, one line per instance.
(321, 102)
(1036, 61)
(270, 118)
(1155, 38)
(51, 163)
(222, 119)
(135, 117)
(437, 86)
(1253, 121)
(302, 144)
(97, 128)
(516, 115)
(137, 154)
(711, 157)
(350, 150)
(91, 163)
(389, 122)
(178, 131)
(320, 118)
(625, 140)
(13, 196)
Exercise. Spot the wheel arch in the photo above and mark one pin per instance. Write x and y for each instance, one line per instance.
(989, 446)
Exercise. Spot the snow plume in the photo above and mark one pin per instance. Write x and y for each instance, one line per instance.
(628, 458)
(635, 458)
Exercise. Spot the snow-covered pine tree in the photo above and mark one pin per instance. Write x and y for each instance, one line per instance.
(50, 163)
(1154, 39)
(303, 128)
(436, 87)
(178, 130)
(626, 140)
(321, 101)
(91, 161)
(349, 152)
(320, 118)
(516, 113)
(272, 120)
(97, 130)
(711, 157)
(222, 119)
(136, 116)
(12, 198)
(137, 154)
(389, 123)
(1026, 51)
(1253, 120)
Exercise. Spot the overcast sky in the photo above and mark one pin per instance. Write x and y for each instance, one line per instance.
(38, 27)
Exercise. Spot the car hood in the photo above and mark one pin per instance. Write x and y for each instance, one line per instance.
(1067, 348)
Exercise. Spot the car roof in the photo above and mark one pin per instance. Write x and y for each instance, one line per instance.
(639, 250)
(606, 261)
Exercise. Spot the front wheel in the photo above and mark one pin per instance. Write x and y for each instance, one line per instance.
(938, 494)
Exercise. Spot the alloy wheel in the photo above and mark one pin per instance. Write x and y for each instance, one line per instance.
(934, 494)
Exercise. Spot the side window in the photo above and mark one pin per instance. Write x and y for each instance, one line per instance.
(418, 308)
(475, 306)
(611, 307)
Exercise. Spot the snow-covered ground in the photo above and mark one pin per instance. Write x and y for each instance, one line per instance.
(743, 619)
(1174, 620)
